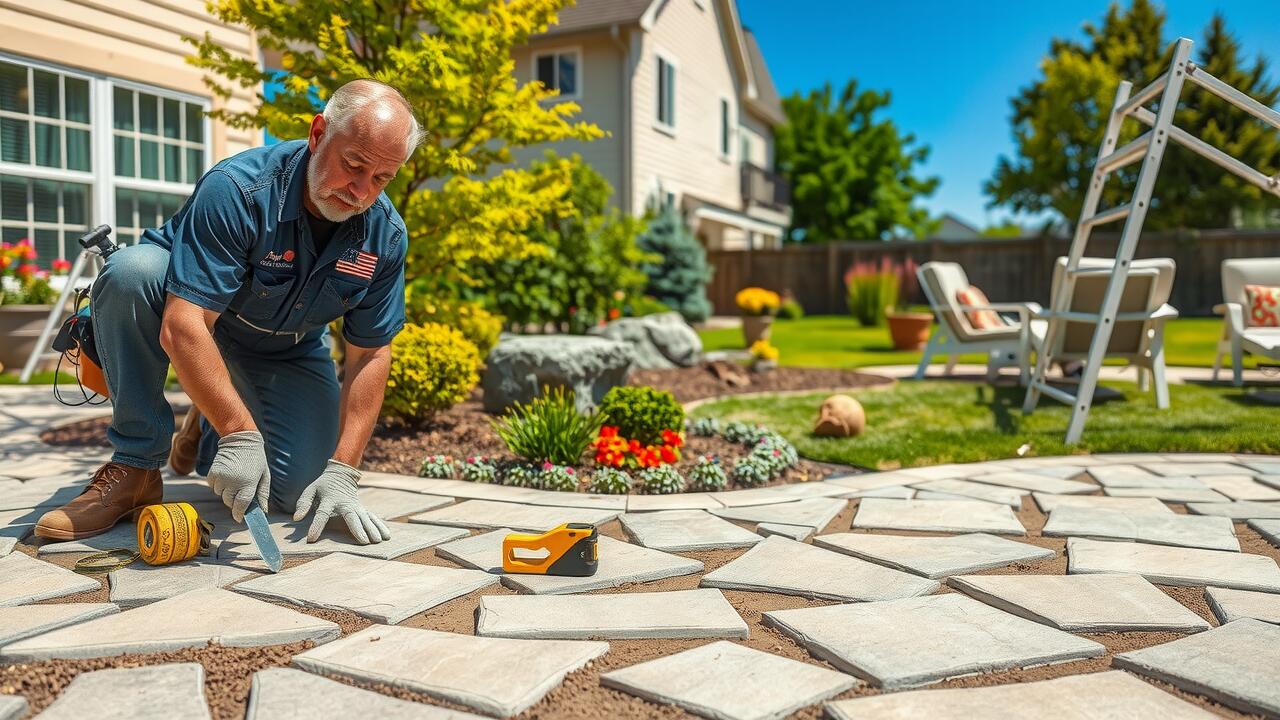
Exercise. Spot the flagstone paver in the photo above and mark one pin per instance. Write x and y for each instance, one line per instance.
(24, 579)
(701, 613)
(188, 620)
(1230, 605)
(1173, 495)
(1083, 603)
(968, 490)
(1135, 477)
(684, 530)
(620, 563)
(675, 501)
(1200, 531)
(1033, 482)
(1234, 664)
(1241, 487)
(1049, 503)
(799, 533)
(385, 591)
(139, 584)
(935, 557)
(1269, 480)
(1167, 565)
(815, 512)
(1110, 694)
(12, 707)
(807, 490)
(897, 492)
(291, 537)
(487, 514)
(751, 497)
(1193, 468)
(287, 693)
(950, 635)
(792, 568)
(388, 503)
(1059, 472)
(23, 621)
(871, 481)
(958, 516)
(156, 692)
(490, 491)
(727, 681)
(1239, 511)
(496, 676)
(1262, 467)
(7, 544)
(1268, 529)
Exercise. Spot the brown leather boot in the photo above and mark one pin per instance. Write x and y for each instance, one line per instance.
(186, 444)
(115, 491)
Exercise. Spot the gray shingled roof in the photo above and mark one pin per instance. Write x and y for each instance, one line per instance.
(593, 14)
(767, 101)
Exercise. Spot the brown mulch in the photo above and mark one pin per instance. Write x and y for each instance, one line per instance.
(705, 381)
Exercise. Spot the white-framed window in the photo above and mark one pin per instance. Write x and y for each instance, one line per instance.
(560, 69)
(666, 100)
(726, 129)
(77, 149)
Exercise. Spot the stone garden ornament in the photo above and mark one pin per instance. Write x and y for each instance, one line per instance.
(840, 416)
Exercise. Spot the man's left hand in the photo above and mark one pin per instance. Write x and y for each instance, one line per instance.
(335, 491)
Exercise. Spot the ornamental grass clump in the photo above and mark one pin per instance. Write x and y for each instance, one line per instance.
(610, 481)
(558, 477)
(478, 468)
(707, 475)
(661, 480)
(437, 466)
(548, 429)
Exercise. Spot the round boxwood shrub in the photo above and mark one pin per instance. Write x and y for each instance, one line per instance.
(433, 368)
(641, 412)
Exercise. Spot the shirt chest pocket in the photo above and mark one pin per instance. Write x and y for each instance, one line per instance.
(268, 294)
(335, 299)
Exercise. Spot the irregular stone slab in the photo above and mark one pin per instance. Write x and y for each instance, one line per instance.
(1075, 697)
(387, 503)
(810, 489)
(139, 584)
(486, 514)
(40, 497)
(12, 707)
(556, 498)
(674, 530)
(1049, 503)
(1060, 472)
(496, 676)
(24, 579)
(897, 492)
(815, 512)
(957, 516)
(157, 692)
(382, 590)
(1230, 605)
(614, 616)
(1234, 664)
(1243, 510)
(967, 490)
(292, 540)
(447, 488)
(24, 621)
(871, 481)
(659, 341)
(1035, 482)
(1263, 467)
(287, 693)
(620, 563)
(188, 620)
(1241, 487)
(1198, 531)
(520, 366)
(799, 533)
(728, 681)
(1083, 603)
(1269, 480)
(675, 501)
(1174, 495)
(1128, 476)
(1268, 529)
(1192, 468)
(950, 635)
(935, 557)
(791, 568)
(1166, 565)
(751, 497)
(7, 544)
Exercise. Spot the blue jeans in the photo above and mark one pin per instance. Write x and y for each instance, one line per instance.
(290, 387)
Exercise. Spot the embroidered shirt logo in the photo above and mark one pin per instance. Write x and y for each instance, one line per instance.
(358, 263)
(278, 261)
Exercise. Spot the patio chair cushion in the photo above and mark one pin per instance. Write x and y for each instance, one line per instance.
(1264, 305)
(979, 319)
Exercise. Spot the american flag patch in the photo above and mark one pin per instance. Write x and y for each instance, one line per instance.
(358, 263)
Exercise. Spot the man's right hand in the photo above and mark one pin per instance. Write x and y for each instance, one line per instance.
(240, 473)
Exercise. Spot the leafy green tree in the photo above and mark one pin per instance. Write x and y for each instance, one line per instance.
(851, 174)
(678, 274)
(1007, 229)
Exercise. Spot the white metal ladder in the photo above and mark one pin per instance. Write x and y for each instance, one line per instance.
(1148, 148)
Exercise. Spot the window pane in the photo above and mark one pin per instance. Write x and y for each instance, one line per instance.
(48, 104)
(172, 120)
(547, 71)
(13, 198)
(195, 123)
(124, 156)
(44, 198)
(13, 87)
(75, 204)
(169, 206)
(148, 208)
(172, 163)
(122, 100)
(15, 144)
(149, 157)
(724, 127)
(148, 119)
(14, 234)
(78, 150)
(568, 75)
(77, 99)
(124, 208)
(671, 95)
(125, 238)
(195, 165)
(46, 244)
(48, 145)
(662, 91)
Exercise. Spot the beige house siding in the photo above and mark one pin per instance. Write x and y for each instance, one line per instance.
(760, 139)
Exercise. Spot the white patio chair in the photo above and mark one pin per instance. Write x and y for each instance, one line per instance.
(1238, 336)
(1005, 346)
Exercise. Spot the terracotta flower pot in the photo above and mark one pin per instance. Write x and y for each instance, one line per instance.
(756, 327)
(910, 331)
(20, 327)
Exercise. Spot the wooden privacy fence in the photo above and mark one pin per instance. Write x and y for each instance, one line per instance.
(1007, 270)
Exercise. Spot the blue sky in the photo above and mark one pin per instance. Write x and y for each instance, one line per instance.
(953, 66)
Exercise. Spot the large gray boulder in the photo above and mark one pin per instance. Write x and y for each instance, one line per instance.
(657, 341)
(520, 366)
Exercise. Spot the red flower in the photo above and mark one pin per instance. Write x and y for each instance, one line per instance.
(614, 313)
(669, 454)
(609, 431)
(634, 446)
(672, 438)
(61, 265)
(26, 271)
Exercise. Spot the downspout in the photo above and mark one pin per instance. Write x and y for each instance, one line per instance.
(625, 130)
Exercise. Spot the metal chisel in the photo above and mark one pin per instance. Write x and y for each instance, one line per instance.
(267, 548)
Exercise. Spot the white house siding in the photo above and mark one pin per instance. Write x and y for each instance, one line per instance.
(760, 137)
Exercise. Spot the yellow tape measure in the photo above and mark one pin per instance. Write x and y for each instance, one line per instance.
(167, 534)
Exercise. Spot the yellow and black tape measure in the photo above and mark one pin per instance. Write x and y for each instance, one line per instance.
(571, 550)
(167, 534)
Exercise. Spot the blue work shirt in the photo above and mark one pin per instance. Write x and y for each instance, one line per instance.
(241, 246)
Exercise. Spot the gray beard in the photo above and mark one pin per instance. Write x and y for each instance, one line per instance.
(327, 210)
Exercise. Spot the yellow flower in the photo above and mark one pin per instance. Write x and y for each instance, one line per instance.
(758, 301)
(763, 350)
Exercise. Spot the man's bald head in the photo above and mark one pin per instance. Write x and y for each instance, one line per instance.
(375, 112)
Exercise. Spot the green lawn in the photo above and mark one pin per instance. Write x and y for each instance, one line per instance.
(940, 421)
(837, 341)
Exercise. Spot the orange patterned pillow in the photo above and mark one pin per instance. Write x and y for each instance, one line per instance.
(1264, 305)
(979, 319)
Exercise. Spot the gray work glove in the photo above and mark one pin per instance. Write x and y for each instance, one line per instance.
(335, 490)
(240, 473)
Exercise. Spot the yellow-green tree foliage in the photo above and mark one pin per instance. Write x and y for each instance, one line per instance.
(452, 59)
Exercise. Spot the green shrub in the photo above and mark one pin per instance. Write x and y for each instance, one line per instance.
(752, 470)
(705, 427)
(548, 429)
(558, 477)
(522, 475)
(661, 480)
(610, 481)
(790, 309)
(479, 469)
(424, 305)
(679, 278)
(433, 368)
(641, 412)
(706, 475)
(744, 434)
(436, 466)
(645, 305)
